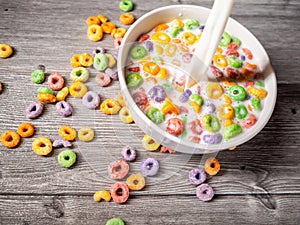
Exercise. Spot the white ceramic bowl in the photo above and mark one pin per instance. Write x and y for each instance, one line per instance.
(163, 15)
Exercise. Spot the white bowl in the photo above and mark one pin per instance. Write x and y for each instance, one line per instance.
(163, 15)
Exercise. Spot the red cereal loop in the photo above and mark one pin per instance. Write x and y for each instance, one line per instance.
(119, 192)
(249, 121)
(230, 52)
(195, 126)
(55, 81)
(143, 38)
(216, 72)
(247, 53)
(233, 73)
(140, 98)
(194, 139)
(118, 169)
(174, 126)
(232, 46)
(249, 83)
(164, 149)
(103, 79)
(134, 69)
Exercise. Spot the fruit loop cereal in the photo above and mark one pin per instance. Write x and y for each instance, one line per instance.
(197, 176)
(10, 139)
(34, 110)
(85, 134)
(62, 94)
(79, 74)
(63, 108)
(95, 32)
(37, 76)
(204, 192)
(212, 166)
(46, 98)
(56, 81)
(118, 170)
(61, 143)
(115, 221)
(78, 89)
(102, 79)
(110, 106)
(126, 5)
(5, 51)
(91, 100)
(128, 153)
(207, 112)
(119, 192)
(75, 61)
(103, 194)
(125, 115)
(66, 158)
(135, 182)
(42, 146)
(149, 167)
(149, 144)
(44, 90)
(127, 18)
(68, 133)
(85, 59)
(25, 130)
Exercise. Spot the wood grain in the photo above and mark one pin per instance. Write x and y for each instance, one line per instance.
(259, 183)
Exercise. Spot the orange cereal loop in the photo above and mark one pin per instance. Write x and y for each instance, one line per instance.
(86, 59)
(91, 20)
(102, 18)
(78, 89)
(95, 33)
(161, 27)
(127, 18)
(46, 98)
(212, 166)
(5, 51)
(68, 133)
(107, 27)
(42, 146)
(120, 32)
(110, 106)
(10, 139)
(25, 130)
(75, 61)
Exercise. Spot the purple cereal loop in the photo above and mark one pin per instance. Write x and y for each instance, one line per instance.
(149, 46)
(112, 74)
(243, 58)
(98, 50)
(63, 108)
(184, 97)
(128, 153)
(34, 110)
(197, 176)
(149, 167)
(212, 138)
(205, 192)
(61, 143)
(157, 93)
(211, 108)
(91, 100)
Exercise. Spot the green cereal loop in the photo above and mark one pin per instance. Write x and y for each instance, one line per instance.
(66, 158)
(37, 76)
(240, 112)
(100, 62)
(255, 102)
(236, 40)
(167, 87)
(184, 119)
(155, 115)
(196, 98)
(191, 24)
(79, 74)
(157, 59)
(138, 52)
(175, 30)
(225, 40)
(235, 62)
(183, 134)
(126, 5)
(133, 80)
(115, 221)
(44, 90)
(231, 131)
(210, 123)
(237, 93)
(259, 83)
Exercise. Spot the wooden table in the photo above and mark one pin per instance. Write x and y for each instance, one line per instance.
(259, 183)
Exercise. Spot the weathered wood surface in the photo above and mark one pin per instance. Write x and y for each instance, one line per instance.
(259, 182)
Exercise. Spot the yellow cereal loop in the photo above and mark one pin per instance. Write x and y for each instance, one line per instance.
(227, 123)
(226, 99)
(135, 182)
(46, 98)
(91, 20)
(227, 83)
(125, 116)
(220, 61)
(225, 112)
(95, 33)
(149, 144)
(85, 59)
(120, 100)
(151, 68)
(68, 133)
(170, 50)
(78, 89)
(75, 61)
(257, 92)
(158, 49)
(120, 32)
(178, 22)
(42, 146)
(214, 90)
(103, 194)
(188, 38)
(110, 106)
(169, 108)
(62, 94)
(5, 51)
(196, 106)
(85, 134)
(219, 51)
(160, 37)
(162, 74)
(111, 60)
(102, 18)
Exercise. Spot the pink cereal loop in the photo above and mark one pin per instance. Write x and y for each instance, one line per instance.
(118, 169)
(117, 43)
(56, 81)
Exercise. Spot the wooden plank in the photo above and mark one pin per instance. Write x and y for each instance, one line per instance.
(234, 209)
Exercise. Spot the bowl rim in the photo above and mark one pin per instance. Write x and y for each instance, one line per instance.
(185, 146)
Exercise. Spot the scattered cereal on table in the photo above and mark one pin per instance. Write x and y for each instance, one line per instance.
(212, 166)
(5, 51)
(25, 130)
(64, 108)
(110, 106)
(61, 143)
(66, 158)
(150, 144)
(117, 170)
(91, 100)
(149, 167)
(204, 192)
(135, 182)
(85, 134)
(103, 194)
(34, 110)
(67, 133)
(42, 146)
(128, 153)
(10, 139)
(119, 192)
(197, 176)
(115, 221)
